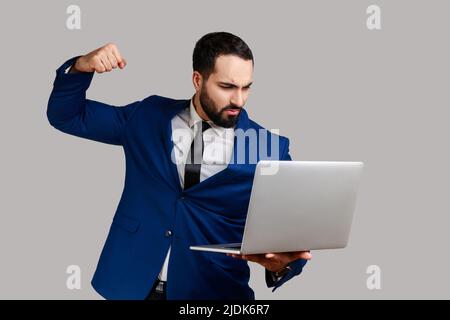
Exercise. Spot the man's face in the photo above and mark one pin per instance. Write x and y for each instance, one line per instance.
(226, 90)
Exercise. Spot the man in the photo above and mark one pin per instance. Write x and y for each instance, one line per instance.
(180, 189)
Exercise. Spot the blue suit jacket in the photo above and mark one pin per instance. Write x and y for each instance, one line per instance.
(154, 212)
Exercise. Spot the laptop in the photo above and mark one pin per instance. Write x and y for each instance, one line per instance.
(297, 206)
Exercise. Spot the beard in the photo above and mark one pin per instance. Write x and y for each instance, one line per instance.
(219, 118)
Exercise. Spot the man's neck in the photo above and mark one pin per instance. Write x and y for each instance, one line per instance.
(198, 107)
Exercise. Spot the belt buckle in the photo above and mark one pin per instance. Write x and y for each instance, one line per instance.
(160, 286)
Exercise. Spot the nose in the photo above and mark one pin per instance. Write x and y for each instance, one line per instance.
(237, 99)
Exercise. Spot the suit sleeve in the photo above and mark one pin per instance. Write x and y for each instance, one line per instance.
(296, 269)
(297, 265)
(69, 111)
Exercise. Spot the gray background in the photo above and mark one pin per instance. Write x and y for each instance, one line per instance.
(338, 90)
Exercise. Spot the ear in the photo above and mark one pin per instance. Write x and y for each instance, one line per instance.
(197, 80)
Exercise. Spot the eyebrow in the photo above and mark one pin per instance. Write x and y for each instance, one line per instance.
(228, 84)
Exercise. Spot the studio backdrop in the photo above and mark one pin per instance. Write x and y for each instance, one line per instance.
(346, 80)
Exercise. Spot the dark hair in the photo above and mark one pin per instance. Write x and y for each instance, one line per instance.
(215, 44)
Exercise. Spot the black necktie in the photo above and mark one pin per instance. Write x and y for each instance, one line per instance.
(192, 168)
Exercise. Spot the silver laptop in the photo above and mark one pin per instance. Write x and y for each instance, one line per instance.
(297, 206)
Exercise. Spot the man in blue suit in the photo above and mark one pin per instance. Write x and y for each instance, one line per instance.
(187, 180)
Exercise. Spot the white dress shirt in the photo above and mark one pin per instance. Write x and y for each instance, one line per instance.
(217, 152)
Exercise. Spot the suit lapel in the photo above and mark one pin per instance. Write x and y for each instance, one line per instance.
(168, 143)
(243, 124)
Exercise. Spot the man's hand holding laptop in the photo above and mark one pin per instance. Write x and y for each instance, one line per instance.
(274, 262)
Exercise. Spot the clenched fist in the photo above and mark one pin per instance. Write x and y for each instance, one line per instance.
(103, 59)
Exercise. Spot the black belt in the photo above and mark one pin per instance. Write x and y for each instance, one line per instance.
(158, 291)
